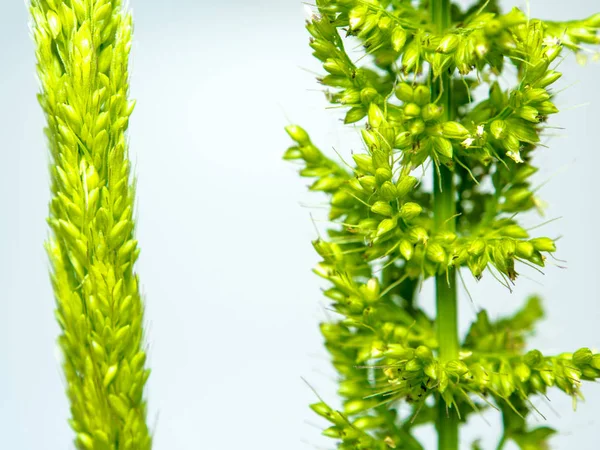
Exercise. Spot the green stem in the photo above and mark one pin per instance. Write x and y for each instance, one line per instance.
(501, 443)
(444, 210)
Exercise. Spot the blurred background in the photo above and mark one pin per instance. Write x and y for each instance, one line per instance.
(225, 231)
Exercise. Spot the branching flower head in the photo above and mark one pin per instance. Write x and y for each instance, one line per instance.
(413, 100)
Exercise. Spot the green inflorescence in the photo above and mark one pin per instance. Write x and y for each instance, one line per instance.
(82, 49)
(414, 103)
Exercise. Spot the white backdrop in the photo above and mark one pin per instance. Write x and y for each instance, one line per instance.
(232, 307)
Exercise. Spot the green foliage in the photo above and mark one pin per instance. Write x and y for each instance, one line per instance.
(413, 101)
(82, 49)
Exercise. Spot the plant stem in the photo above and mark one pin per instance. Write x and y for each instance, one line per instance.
(444, 210)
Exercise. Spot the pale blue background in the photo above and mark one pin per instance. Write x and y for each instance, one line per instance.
(232, 305)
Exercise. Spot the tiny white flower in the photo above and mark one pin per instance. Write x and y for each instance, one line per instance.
(480, 130)
(468, 142)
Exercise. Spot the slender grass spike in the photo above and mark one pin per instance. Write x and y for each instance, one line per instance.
(82, 50)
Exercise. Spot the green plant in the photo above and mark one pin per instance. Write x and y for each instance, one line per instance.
(82, 49)
(422, 63)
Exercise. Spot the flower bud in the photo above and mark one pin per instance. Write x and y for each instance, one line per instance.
(403, 140)
(456, 368)
(412, 110)
(371, 290)
(398, 38)
(442, 147)
(359, 405)
(525, 249)
(431, 112)
(376, 116)
(507, 248)
(448, 44)
(385, 226)
(529, 113)
(367, 182)
(54, 23)
(516, 196)
(381, 159)
(418, 235)
(335, 295)
(323, 270)
(388, 191)
(371, 139)
(422, 95)
(369, 422)
(355, 114)
(357, 17)
(590, 373)
(533, 358)
(298, 134)
(547, 108)
(431, 370)
(411, 56)
(405, 185)
(537, 383)
(454, 130)
(417, 127)
(514, 231)
(405, 92)
(364, 162)
(396, 351)
(446, 237)
(435, 253)
(335, 67)
(523, 372)
(549, 78)
(368, 95)
(410, 210)
(547, 377)
(327, 184)
(523, 173)
(493, 27)
(582, 357)
(424, 353)
(334, 432)
(498, 129)
(406, 249)
(537, 71)
(572, 374)
(537, 95)
(382, 208)
(312, 172)
(368, 225)
(543, 244)
(322, 410)
(382, 175)
(350, 97)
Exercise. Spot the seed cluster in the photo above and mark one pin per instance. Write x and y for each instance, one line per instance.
(385, 243)
(82, 49)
